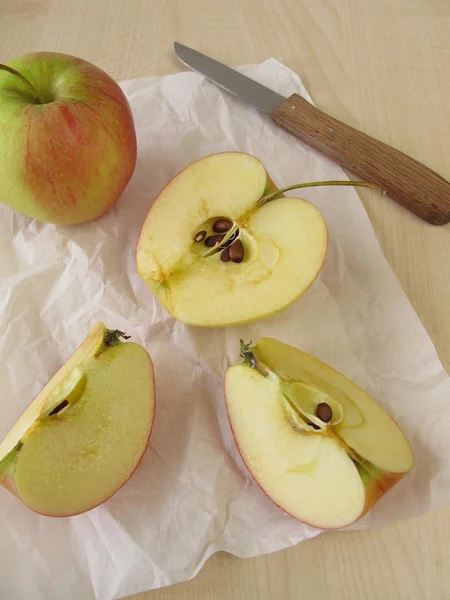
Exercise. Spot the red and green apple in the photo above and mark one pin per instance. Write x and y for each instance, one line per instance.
(68, 142)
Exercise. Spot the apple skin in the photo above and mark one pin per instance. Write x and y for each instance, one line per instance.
(8, 482)
(375, 488)
(378, 486)
(66, 157)
(270, 187)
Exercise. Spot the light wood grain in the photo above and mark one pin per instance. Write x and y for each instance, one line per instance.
(405, 180)
(382, 66)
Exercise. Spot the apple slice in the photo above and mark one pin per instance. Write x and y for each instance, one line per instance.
(83, 436)
(277, 252)
(221, 246)
(316, 443)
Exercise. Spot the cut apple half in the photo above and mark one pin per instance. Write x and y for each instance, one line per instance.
(214, 256)
(318, 445)
(221, 245)
(83, 436)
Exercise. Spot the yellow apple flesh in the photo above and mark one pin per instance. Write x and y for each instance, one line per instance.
(326, 474)
(83, 436)
(284, 241)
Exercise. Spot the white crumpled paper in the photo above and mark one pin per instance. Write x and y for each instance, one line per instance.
(191, 495)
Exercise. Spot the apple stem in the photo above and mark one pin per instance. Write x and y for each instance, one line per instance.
(24, 80)
(112, 337)
(273, 195)
(249, 358)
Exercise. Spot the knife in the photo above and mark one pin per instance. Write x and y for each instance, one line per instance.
(407, 181)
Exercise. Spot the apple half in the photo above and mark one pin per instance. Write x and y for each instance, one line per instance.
(83, 436)
(318, 445)
(216, 253)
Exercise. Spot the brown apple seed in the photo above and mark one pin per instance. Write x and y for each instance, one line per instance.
(225, 255)
(237, 251)
(58, 408)
(324, 412)
(212, 240)
(231, 239)
(222, 225)
(200, 236)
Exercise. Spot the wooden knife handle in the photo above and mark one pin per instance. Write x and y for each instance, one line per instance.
(407, 181)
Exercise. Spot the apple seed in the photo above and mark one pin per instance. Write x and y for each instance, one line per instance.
(324, 412)
(237, 251)
(58, 408)
(200, 236)
(225, 255)
(212, 240)
(231, 239)
(222, 225)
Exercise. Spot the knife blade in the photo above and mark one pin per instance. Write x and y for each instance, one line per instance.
(407, 181)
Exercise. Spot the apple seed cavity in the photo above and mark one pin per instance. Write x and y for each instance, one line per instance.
(213, 240)
(231, 239)
(324, 412)
(222, 225)
(58, 408)
(200, 236)
(237, 251)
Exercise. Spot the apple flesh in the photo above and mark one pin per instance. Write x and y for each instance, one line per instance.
(319, 446)
(68, 143)
(276, 248)
(83, 436)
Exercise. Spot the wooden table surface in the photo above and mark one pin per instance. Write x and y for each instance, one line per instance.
(380, 65)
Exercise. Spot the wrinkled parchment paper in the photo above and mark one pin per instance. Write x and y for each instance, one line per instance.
(191, 495)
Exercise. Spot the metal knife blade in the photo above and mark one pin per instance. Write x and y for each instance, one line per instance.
(407, 181)
(229, 79)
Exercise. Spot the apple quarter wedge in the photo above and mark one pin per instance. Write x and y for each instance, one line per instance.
(83, 436)
(327, 473)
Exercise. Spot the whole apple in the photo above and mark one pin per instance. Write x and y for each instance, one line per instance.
(68, 141)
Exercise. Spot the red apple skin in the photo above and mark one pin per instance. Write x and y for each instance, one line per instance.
(378, 486)
(70, 159)
(9, 482)
(375, 488)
